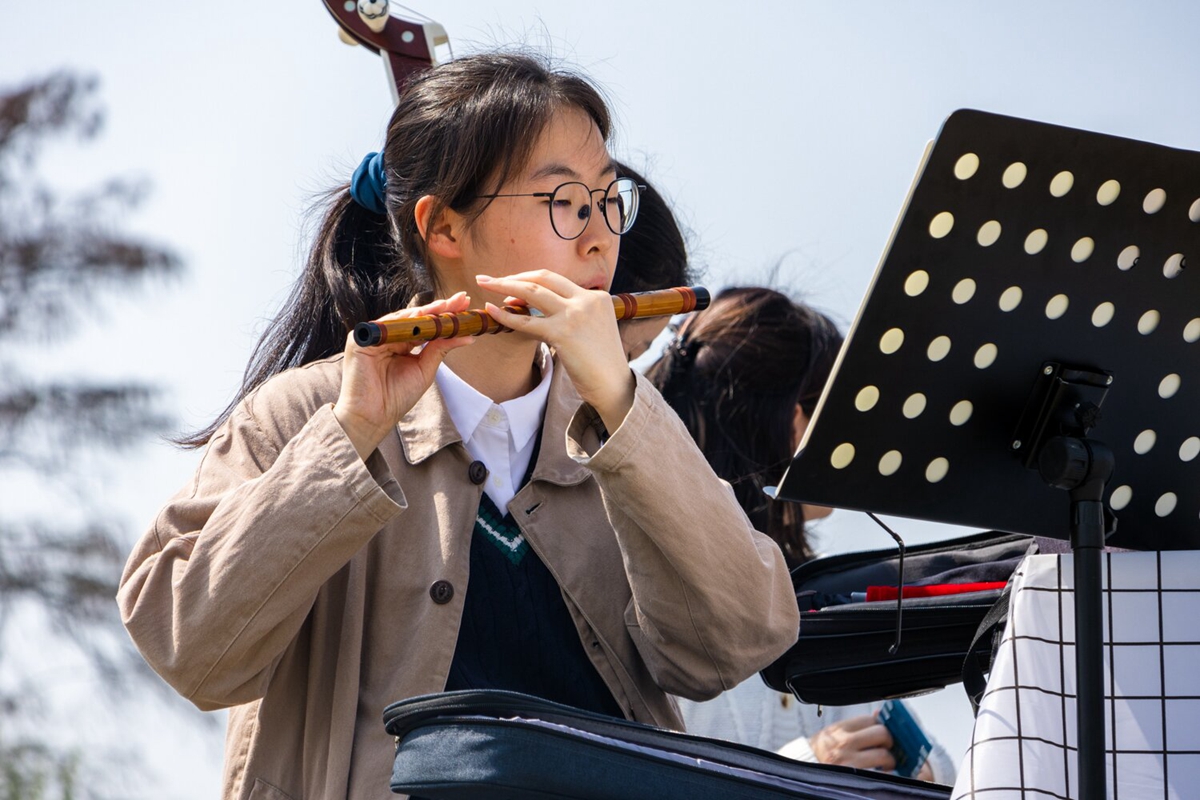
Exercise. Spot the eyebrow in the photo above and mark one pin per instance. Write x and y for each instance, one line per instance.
(562, 170)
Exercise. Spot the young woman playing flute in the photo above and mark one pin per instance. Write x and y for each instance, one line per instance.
(518, 512)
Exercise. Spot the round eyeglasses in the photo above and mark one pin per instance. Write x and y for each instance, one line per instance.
(570, 206)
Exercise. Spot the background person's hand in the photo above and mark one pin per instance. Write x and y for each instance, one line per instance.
(861, 742)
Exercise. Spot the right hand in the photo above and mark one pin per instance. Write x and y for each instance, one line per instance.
(861, 742)
(381, 384)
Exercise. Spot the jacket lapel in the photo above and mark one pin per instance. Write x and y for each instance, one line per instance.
(427, 427)
(553, 463)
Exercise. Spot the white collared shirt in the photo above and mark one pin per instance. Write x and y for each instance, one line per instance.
(502, 435)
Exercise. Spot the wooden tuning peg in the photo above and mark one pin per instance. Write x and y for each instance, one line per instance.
(374, 13)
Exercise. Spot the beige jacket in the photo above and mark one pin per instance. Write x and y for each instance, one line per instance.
(296, 583)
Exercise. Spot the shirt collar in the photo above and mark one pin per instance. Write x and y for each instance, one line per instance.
(525, 413)
(467, 407)
(428, 428)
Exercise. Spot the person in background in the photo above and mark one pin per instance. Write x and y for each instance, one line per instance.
(745, 376)
(653, 256)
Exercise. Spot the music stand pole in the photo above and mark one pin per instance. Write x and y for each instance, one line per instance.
(1087, 543)
(1084, 466)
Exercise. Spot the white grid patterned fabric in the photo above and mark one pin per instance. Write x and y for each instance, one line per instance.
(1023, 744)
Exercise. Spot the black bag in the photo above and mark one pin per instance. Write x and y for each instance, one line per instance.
(842, 656)
(493, 744)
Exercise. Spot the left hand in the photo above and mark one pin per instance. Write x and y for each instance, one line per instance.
(861, 742)
(581, 326)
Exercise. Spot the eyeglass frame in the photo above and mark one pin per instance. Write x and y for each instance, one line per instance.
(641, 187)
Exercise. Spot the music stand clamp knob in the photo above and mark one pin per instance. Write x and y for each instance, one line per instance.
(1081, 466)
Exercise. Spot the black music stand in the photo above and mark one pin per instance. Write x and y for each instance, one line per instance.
(1034, 294)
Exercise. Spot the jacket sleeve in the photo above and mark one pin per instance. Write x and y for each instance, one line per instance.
(712, 597)
(218, 588)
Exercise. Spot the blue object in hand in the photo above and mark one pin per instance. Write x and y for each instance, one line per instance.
(910, 745)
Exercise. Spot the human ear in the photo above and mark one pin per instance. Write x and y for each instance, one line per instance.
(442, 234)
(799, 425)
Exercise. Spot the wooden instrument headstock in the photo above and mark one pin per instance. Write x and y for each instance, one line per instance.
(406, 46)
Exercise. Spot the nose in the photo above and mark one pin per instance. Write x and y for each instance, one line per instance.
(596, 236)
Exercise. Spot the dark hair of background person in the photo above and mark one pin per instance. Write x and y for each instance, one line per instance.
(653, 252)
(734, 374)
(460, 130)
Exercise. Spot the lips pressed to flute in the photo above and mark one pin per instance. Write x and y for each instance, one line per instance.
(476, 322)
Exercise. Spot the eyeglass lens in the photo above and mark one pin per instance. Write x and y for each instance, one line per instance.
(571, 207)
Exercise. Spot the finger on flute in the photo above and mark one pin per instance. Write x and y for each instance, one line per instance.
(428, 328)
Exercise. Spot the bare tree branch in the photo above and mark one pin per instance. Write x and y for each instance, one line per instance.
(60, 104)
(59, 254)
(44, 424)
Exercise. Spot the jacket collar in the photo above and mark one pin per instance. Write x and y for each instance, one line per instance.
(428, 428)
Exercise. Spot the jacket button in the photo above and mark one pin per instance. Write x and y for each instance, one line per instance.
(441, 592)
(477, 472)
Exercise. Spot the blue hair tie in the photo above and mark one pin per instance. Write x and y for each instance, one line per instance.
(368, 185)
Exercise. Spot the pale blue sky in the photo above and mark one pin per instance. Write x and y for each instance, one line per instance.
(782, 130)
